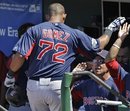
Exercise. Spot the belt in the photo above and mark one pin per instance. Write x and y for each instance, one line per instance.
(52, 79)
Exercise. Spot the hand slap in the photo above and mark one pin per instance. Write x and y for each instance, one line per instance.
(124, 30)
(114, 26)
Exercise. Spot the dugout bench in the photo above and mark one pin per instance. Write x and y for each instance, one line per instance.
(123, 105)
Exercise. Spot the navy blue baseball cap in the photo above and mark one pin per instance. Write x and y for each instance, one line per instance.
(103, 53)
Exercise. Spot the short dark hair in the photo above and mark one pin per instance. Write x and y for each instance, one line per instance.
(23, 28)
(55, 9)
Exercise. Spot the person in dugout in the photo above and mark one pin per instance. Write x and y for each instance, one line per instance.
(85, 93)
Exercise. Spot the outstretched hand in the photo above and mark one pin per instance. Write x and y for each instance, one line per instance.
(124, 31)
(115, 24)
(83, 66)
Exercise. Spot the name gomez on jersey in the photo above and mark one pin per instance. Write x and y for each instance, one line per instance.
(52, 47)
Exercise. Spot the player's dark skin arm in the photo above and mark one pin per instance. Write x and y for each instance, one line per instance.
(17, 62)
(104, 39)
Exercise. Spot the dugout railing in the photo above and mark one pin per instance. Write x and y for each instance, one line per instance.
(123, 104)
(2, 108)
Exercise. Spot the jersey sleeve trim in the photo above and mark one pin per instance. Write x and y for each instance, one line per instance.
(29, 52)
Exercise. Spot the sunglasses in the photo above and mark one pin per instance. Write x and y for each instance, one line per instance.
(98, 61)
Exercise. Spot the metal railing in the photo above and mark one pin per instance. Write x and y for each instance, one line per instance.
(2, 108)
(123, 105)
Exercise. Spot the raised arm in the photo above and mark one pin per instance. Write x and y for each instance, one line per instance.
(112, 27)
(122, 34)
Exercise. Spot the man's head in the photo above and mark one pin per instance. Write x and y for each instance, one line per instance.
(56, 13)
(123, 55)
(23, 28)
(99, 66)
